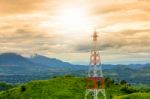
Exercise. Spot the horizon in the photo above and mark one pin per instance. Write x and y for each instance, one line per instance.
(62, 29)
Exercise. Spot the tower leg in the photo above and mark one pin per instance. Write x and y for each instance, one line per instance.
(95, 93)
(86, 93)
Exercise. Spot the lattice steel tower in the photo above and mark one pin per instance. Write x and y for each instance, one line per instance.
(95, 80)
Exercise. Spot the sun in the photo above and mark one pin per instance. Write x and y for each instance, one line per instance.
(69, 20)
(73, 18)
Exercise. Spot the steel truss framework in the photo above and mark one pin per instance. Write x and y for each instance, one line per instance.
(95, 80)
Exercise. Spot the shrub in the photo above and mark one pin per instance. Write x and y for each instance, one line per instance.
(123, 82)
(23, 88)
(128, 90)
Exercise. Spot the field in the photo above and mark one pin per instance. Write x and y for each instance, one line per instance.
(135, 96)
(68, 87)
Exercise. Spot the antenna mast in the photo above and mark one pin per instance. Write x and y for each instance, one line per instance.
(95, 75)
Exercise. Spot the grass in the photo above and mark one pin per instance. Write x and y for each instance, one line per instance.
(135, 96)
(65, 88)
(58, 88)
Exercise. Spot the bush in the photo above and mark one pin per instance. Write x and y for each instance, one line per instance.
(123, 82)
(128, 90)
(23, 88)
(109, 82)
(5, 86)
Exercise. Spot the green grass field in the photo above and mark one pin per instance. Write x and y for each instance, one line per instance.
(135, 96)
(68, 88)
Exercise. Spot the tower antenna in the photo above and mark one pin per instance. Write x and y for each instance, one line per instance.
(95, 74)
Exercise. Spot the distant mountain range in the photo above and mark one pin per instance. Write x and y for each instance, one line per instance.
(15, 68)
(36, 63)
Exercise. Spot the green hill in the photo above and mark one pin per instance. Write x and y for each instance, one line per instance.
(135, 96)
(60, 88)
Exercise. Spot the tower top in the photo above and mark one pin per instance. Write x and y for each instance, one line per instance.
(95, 36)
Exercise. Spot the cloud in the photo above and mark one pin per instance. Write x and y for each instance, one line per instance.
(131, 41)
(28, 26)
(113, 6)
(21, 40)
(120, 11)
(19, 6)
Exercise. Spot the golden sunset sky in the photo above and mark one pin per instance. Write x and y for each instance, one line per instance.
(63, 28)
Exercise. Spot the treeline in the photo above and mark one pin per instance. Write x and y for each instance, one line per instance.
(5, 86)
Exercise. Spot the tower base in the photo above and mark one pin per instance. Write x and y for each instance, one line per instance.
(95, 93)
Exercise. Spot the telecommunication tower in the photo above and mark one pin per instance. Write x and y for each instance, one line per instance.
(95, 80)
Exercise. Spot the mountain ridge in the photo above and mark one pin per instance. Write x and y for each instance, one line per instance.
(22, 69)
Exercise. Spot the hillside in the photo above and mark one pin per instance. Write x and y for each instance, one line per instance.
(61, 88)
(58, 88)
(135, 96)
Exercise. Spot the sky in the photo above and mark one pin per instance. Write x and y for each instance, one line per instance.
(63, 29)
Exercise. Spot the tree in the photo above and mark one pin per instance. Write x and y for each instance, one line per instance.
(123, 82)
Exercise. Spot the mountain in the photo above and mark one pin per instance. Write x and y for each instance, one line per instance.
(108, 66)
(138, 66)
(53, 62)
(131, 66)
(13, 59)
(123, 72)
(48, 61)
(12, 63)
(15, 68)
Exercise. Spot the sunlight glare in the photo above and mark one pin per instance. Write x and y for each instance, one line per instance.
(73, 19)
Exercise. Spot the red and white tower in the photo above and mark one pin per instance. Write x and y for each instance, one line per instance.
(95, 80)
